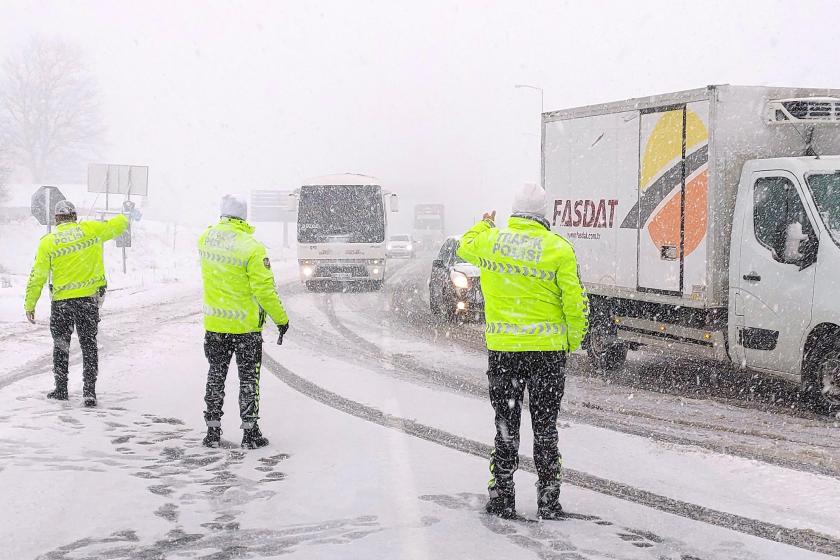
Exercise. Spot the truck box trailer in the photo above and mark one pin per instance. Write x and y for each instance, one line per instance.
(707, 222)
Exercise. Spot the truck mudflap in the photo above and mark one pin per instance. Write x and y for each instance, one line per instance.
(687, 340)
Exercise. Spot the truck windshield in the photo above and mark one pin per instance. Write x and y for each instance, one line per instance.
(341, 213)
(825, 187)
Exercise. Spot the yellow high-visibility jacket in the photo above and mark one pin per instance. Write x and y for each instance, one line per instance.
(73, 253)
(534, 300)
(238, 283)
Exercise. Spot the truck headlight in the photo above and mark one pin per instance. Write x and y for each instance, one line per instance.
(459, 279)
(307, 271)
(409, 247)
(389, 246)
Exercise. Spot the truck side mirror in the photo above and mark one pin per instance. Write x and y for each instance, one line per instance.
(800, 248)
(394, 203)
(793, 243)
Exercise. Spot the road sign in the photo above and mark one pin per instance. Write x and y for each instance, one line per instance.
(118, 179)
(268, 205)
(43, 204)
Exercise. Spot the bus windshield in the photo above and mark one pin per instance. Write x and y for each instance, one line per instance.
(341, 213)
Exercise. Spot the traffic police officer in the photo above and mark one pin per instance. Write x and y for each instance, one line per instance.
(73, 254)
(536, 313)
(238, 294)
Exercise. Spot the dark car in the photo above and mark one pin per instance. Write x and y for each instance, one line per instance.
(454, 285)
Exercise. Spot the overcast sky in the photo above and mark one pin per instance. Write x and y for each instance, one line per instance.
(227, 96)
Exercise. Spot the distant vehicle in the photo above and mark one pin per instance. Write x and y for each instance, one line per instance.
(454, 285)
(342, 224)
(429, 226)
(707, 222)
(401, 245)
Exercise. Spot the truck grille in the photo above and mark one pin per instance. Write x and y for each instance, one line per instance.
(356, 271)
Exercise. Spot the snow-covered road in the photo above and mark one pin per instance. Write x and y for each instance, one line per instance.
(379, 430)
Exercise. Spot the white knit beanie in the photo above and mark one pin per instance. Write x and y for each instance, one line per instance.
(234, 206)
(531, 199)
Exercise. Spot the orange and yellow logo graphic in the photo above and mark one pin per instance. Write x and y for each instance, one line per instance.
(660, 181)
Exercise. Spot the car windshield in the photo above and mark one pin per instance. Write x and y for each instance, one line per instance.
(825, 187)
(348, 213)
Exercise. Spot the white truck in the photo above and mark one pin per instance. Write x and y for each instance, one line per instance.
(342, 228)
(707, 222)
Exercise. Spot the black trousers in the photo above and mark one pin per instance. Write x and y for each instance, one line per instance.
(83, 315)
(509, 374)
(219, 348)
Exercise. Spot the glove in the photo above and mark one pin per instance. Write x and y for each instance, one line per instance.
(30, 316)
(282, 330)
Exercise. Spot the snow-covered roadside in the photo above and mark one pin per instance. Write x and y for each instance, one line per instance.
(130, 479)
(744, 487)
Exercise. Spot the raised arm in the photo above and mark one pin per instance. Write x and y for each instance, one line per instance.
(110, 229)
(472, 243)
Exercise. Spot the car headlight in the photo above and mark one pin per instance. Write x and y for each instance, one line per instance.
(459, 279)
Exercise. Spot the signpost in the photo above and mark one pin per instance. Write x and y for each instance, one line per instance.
(274, 205)
(119, 179)
(43, 205)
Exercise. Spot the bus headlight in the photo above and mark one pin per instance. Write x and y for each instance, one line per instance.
(459, 279)
(307, 271)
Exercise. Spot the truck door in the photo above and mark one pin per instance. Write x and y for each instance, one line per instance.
(776, 273)
(661, 208)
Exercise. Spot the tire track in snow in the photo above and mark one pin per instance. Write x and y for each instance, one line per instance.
(413, 371)
(805, 539)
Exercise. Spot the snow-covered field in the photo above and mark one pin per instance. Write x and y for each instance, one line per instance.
(375, 451)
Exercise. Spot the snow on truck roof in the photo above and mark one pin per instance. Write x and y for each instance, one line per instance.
(342, 179)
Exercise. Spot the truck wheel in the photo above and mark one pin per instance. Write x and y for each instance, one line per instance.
(823, 376)
(605, 350)
(434, 305)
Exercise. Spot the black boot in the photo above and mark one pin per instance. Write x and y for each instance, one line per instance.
(59, 393)
(501, 504)
(213, 438)
(548, 501)
(89, 395)
(252, 438)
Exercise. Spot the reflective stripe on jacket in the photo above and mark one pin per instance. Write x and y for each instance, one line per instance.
(238, 283)
(534, 299)
(73, 253)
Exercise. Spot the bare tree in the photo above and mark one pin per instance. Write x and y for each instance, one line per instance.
(49, 109)
(5, 169)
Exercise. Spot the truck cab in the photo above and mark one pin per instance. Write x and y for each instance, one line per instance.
(784, 266)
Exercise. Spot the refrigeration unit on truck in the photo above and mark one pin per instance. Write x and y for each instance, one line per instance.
(429, 227)
(342, 229)
(707, 222)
